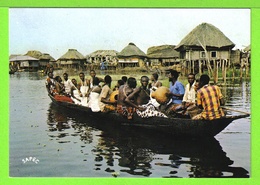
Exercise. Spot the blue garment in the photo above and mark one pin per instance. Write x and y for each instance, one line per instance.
(177, 88)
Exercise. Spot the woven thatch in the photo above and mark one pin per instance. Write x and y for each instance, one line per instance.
(22, 58)
(46, 56)
(248, 48)
(130, 51)
(163, 51)
(103, 53)
(72, 54)
(34, 54)
(208, 35)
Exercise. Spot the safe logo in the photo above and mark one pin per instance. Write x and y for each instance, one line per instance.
(32, 159)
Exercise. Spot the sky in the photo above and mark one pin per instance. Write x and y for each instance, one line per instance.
(55, 30)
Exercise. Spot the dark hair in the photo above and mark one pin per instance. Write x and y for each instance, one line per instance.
(131, 82)
(155, 75)
(95, 81)
(146, 77)
(57, 78)
(174, 73)
(108, 79)
(204, 79)
(81, 73)
(191, 74)
(120, 82)
(65, 74)
(124, 78)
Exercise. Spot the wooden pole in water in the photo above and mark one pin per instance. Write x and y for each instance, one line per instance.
(235, 110)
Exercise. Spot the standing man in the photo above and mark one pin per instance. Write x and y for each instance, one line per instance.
(209, 99)
(67, 83)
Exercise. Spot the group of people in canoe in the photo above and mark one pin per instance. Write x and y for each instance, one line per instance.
(198, 99)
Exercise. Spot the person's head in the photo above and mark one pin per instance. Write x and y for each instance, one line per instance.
(124, 78)
(108, 79)
(95, 81)
(197, 85)
(50, 74)
(154, 77)
(173, 75)
(92, 73)
(131, 82)
(82, 76)
(204, 80)
(74, 81)
(144, 81)
(120, 82)
(58, 79)
(65, 76)
(191, 78)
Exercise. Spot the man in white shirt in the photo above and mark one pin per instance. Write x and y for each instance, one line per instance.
(189, 97)
(67, 83)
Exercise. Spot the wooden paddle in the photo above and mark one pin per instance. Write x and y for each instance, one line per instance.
(235, 110)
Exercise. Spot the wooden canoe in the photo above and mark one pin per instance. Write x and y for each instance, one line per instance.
(179, 127)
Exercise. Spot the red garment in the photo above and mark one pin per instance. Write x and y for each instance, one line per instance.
(63, 98)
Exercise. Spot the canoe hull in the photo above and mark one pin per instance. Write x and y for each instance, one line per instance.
(178, 127)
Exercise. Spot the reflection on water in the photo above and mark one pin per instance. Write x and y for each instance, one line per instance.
(140, 154)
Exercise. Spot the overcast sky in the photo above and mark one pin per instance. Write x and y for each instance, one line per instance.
(55, 30)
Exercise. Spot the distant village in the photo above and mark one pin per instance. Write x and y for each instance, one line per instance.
(204, 48)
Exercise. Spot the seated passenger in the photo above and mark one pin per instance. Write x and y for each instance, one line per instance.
(139, 99)
(177, 92)
(67, 83)
(119, 83)
(59, 86)
(50, 83)
(94, 96)
(105, 104)
(83, 85)
(123, 108)
(189, 97)
(209, 99)
(75, 92)
(153, 86)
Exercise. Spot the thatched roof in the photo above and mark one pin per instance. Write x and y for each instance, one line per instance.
(248, 48)
(163, 51)
(46, 56)
(22, 58)
(208, 35)
(72, 54)
(34, 54)
(103, 53)
(131, 50)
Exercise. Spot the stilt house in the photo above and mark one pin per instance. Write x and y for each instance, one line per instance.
(204, 46)
(131, 56)
(72, 59)
(164, 55)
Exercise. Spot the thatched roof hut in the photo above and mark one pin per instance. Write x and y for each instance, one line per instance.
(72, 59)
(34, 54)
(131, 50)
(103, 53)
(46, 56)
(22, 58)
(207, 35)
(72, 54)
(163, 51)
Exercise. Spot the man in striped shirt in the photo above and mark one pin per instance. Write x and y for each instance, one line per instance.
(209, 99)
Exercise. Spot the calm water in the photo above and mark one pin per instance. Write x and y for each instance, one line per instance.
(68, 144)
